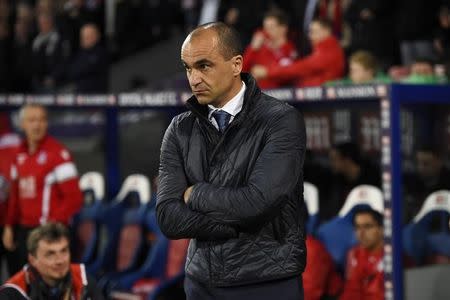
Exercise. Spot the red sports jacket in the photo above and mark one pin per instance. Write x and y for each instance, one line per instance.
(365, 279)
(270, 58)
(8, 144)
(21, 280)
(45, 185)
(320, 277)
(326, 62)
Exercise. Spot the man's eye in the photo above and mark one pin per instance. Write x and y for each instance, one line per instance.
(204, 66)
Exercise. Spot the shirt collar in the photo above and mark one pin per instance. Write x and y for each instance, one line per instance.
(234, 106)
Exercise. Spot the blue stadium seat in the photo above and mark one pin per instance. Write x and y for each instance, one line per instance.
(131, 203)
(419, 242)
(84, 224)
(338, 234)
(311, 196)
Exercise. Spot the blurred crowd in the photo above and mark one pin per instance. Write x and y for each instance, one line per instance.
(49, 44)
(61, 45)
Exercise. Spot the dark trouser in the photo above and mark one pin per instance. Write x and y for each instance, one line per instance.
(7, 256)
(19, 256)
(286, 289)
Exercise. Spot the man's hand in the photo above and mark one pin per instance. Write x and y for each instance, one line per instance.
(257, 40)
(259, 72)
(8, 238)
(187, 194)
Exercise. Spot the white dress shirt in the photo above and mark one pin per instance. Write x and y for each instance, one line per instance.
(233, 107)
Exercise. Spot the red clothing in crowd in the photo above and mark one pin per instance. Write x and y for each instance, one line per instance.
(8, 144)
(270, 58)
(45, 185)
(320, 277)
(365, 280)
(325, 63)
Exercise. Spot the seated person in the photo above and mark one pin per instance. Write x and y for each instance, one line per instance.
(49, 274)
(421, 72)
(320, 278)
(364, 271)
(363, 69)
(270, 47)
(349, 169)
(431, 175)
(325, 63)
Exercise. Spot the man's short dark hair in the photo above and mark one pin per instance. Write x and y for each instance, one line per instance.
(378, 217)
(50, 232)
(229, 40)
(279, 15)
(348, 150)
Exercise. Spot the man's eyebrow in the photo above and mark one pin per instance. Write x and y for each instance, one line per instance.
(202, 61)
(197, 63)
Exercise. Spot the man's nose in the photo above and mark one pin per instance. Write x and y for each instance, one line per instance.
(195, 78)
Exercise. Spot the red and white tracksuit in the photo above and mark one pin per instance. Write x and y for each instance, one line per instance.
(44, 185)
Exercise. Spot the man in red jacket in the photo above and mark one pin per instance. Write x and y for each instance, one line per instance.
(49, 274)
(320, 278)
(270, 47)
(44, 183)
(364, 271)
(8, 142)
(326, 62)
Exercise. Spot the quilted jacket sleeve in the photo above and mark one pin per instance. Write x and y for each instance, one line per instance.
(275, 175)
(175, 218)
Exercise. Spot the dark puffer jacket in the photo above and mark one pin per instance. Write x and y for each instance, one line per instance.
(245, 211)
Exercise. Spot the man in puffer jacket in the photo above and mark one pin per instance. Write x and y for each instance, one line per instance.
(231, 178)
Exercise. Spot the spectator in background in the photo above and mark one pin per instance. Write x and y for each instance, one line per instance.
(270, 47)
(363, 69)
(44, 183)
(415, 22)
(325, 63)
(22, 71)
(364, 271)
(431, 175)
(244, 16)
(89, 70)
(422, 72)
(5, 57)
(350, 170)
(442, 40)
(370, 23)
(49, 274)
(50, 53)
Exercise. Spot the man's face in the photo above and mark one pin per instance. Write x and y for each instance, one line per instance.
(422, 68)
(317, 33)
(45, 24)
(368, 233)
(210, 75)
(428, 165)
(34, 123)
(359, 74)
(273, 28)
(89, 37)
(51, 260)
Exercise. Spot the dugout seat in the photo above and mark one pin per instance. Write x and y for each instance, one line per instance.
(311, 197)
(338, 234)
(84, 225)
(130, 204)
(423, 241)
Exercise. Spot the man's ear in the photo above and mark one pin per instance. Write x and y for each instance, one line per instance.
(237, 65)
(32, 259)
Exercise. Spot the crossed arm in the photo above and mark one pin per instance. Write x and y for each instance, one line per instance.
(214, 212)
